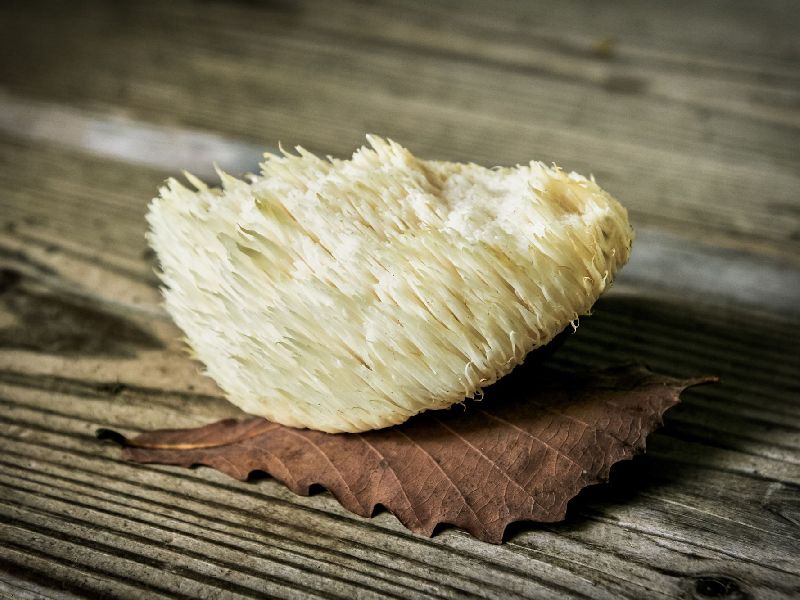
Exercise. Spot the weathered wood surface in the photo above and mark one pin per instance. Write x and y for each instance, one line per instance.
(687, 111)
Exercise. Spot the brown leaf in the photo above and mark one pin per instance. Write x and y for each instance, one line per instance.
(521, 454)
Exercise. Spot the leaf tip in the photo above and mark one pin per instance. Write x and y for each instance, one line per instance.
(110, 435)
(701, 380)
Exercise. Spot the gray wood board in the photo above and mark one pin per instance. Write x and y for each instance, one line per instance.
(687, 111)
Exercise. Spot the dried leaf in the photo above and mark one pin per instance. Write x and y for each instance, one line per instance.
(521, 454)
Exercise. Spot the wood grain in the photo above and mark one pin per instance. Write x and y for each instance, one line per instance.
(687, 111)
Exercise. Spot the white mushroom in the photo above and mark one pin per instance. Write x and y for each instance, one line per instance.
(347, 295)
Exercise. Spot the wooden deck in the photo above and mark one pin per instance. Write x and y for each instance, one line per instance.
(688, 111)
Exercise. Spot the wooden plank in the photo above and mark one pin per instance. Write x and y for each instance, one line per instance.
(686, 111)
(701, 138)
(53, 439)
(114, 235)
(715, 494)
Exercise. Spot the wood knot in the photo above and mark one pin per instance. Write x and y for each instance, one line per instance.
(8, 279)
(718, 586)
